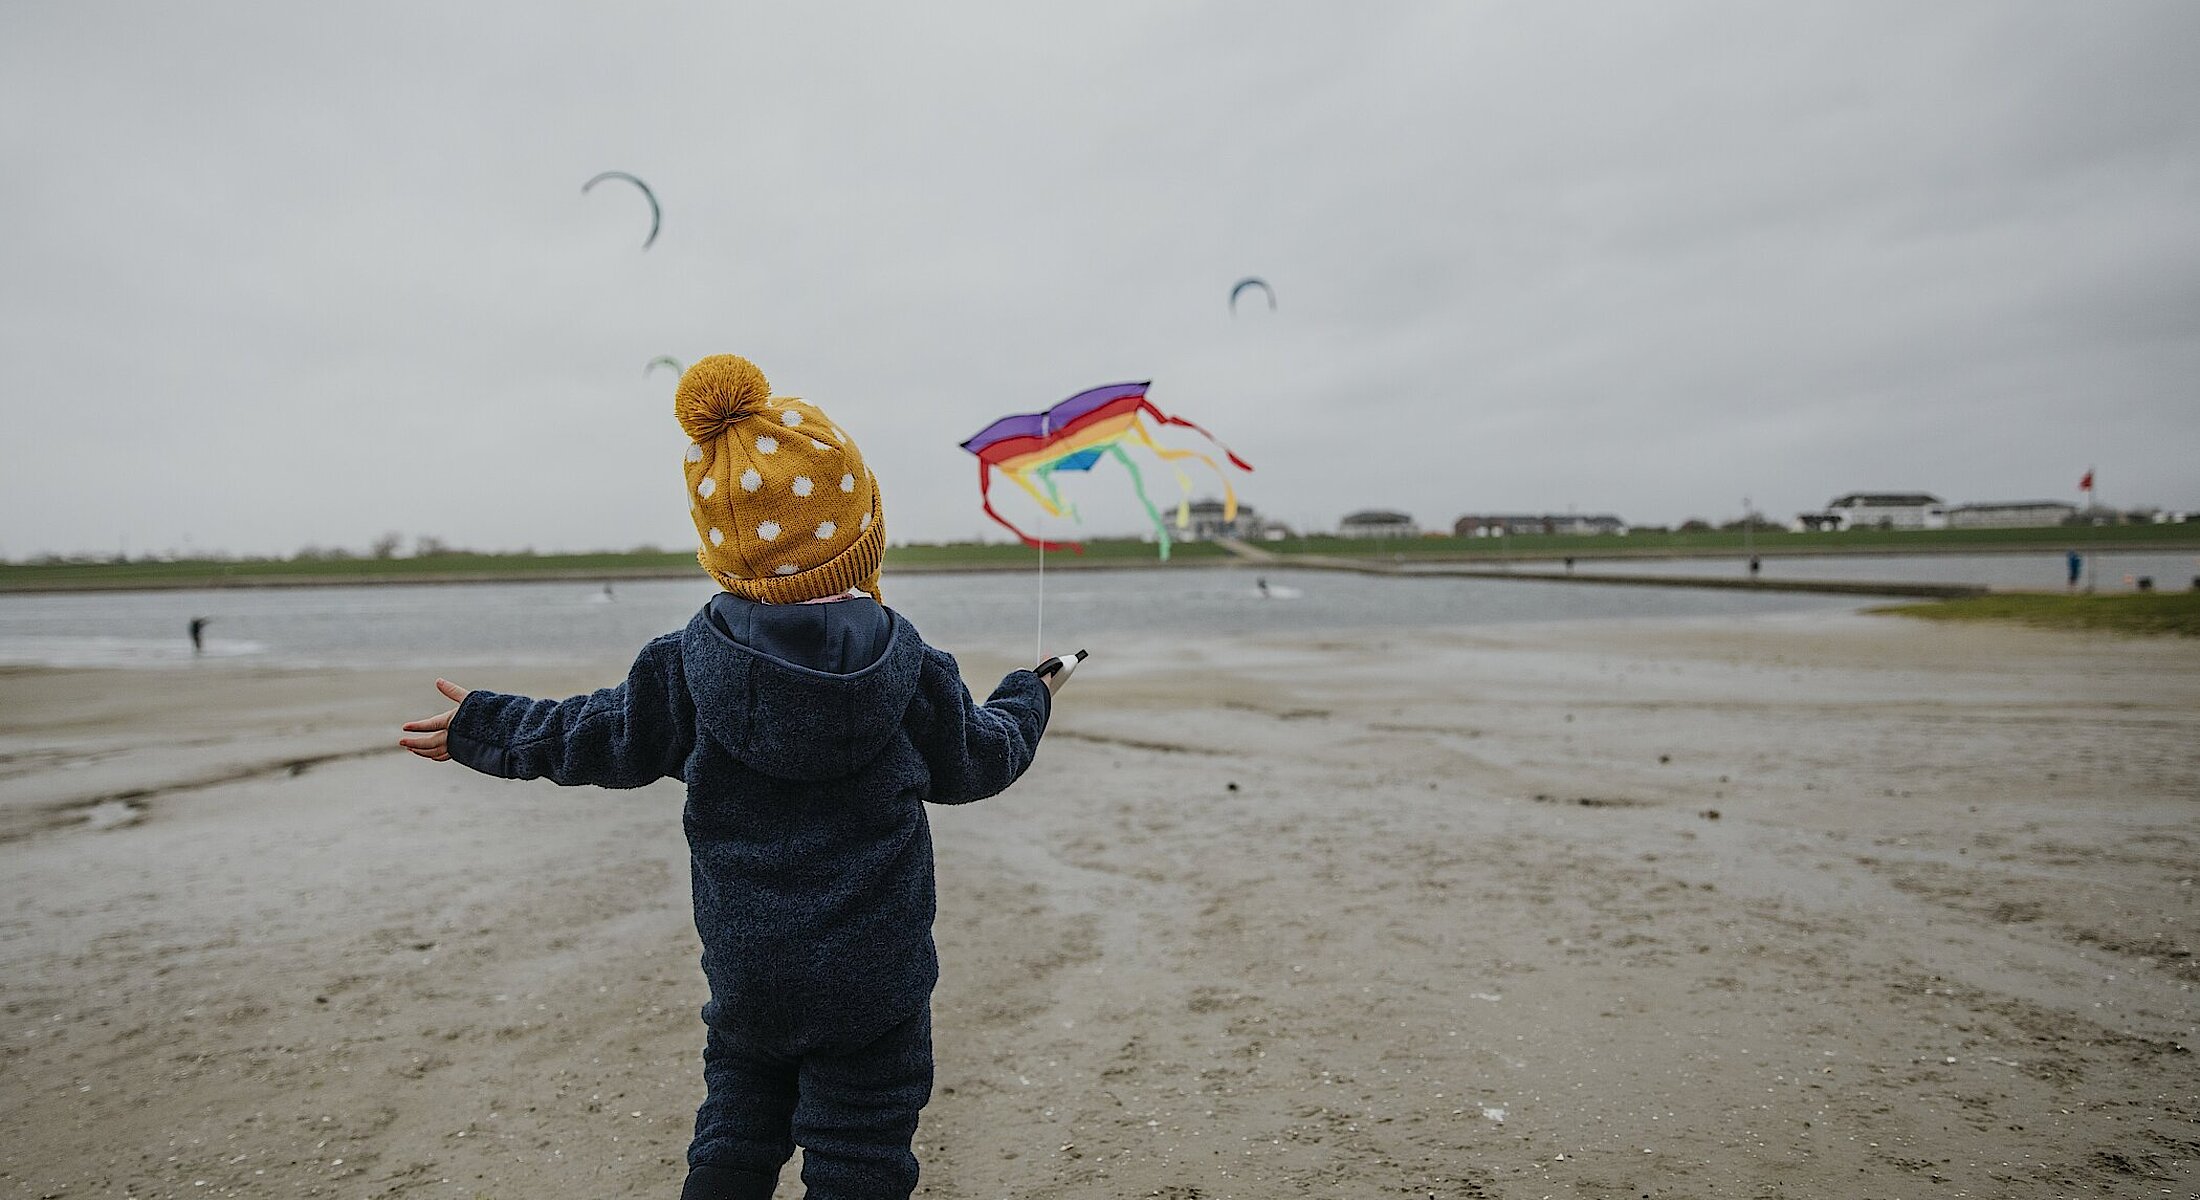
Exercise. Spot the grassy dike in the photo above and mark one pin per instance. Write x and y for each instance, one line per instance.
(1767, 541)
(2144, 613)
(498, 568)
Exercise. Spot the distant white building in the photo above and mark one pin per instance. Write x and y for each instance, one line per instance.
(1574, 523)
(1378, 523)
(1209, 523)
(2011, 514)
(1879, 510)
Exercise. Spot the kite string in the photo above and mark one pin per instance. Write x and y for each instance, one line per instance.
(1039, 626)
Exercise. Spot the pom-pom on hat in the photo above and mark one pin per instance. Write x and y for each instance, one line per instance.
(784, 506)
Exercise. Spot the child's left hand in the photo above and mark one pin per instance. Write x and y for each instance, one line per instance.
(435, 746)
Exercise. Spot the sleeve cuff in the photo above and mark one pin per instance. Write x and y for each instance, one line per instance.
(1046, 700)
(484, 756)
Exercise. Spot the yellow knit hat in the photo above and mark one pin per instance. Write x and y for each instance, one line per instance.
(785, 508)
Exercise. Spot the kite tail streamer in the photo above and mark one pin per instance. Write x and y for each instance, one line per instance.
(1050, 501)
(1138, 484)
(1229, 494)
(1166, 419)
(1046, 480)
(985, 498)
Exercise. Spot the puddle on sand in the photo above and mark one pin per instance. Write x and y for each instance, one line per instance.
(113, 814)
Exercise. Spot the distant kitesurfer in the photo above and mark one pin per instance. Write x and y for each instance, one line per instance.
(1263, 585)
(198, 629)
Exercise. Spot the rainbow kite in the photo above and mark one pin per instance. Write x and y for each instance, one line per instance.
(1029, 448)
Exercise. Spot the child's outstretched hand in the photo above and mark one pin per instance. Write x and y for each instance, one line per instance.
(435, 745)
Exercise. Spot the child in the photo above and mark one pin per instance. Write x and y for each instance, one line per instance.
(809, 723)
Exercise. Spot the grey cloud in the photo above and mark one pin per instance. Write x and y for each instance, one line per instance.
(290, 274)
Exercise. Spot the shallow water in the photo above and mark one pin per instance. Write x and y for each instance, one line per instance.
(458, 624)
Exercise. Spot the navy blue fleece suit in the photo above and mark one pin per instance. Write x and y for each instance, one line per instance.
(809, 737)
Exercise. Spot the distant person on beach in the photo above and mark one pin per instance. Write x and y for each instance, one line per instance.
(1756, 564)
(198, 634)
(810, 724)
(2074, 563)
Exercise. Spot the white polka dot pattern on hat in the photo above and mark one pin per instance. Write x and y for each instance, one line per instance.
(820, 445)
(825, 531)
(791, 418)
(769, 530)
(866, 526)
(788, 569)
(706, 488)
(847, 483)
(717, 536)
(695, 452)
(750, 480)
(802, 485)
(767, 445)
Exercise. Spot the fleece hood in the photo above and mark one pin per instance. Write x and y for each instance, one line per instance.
(791, 721)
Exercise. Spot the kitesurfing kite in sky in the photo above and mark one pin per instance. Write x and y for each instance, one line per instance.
(1030, 448)
(1251, 282)
(663, 360)
(656, 214)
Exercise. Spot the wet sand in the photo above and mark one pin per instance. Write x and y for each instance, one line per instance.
(1777, 907)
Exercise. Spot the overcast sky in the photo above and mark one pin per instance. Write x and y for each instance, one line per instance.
(305, 273)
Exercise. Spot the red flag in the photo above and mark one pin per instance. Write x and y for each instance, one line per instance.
(2086, 484)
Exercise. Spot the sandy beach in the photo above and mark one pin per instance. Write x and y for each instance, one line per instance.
(1785, 906)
